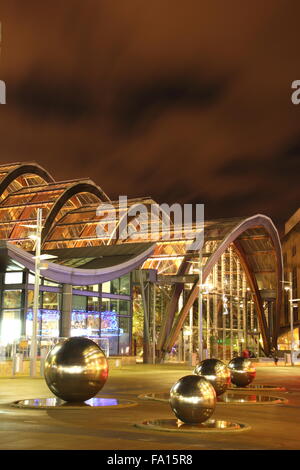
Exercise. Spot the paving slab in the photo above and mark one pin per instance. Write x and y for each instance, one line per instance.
(272, 427)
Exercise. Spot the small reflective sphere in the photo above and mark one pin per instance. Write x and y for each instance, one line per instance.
(76, 369)
(216, 372)
(193, 399)
(242, 371)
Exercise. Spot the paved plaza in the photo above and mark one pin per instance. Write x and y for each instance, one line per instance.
(272, 426)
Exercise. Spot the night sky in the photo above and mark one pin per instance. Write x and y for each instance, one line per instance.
(182, 101)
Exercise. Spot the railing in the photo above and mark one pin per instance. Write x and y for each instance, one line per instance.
(19, 350)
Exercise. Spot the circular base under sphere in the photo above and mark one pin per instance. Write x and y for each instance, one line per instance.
(193, 399)
(242, 371)
(216, 372)
(76, 369)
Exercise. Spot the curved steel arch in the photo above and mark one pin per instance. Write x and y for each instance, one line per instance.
(251, 222)
(77, 188)
(76, 276)
(27, 168)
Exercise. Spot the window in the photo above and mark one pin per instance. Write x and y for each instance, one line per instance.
(10, 326)
(93, 304)
(51, 300)
(93, 288)
(13, 277)
(106, 287)
(294, 282)
(124, 307)
(286, 307)
(124, 335)
(294, 250)
(50, 283)
(85, 324)
(125, 285)
(117, 286)
(31, 278)
(12, 299)
(79, 302)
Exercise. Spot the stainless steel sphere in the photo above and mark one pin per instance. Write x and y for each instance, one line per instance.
(76, 369)
(216, 372)
(242, 371)
(193, 399)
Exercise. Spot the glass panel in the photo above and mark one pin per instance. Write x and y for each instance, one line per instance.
(94, 288)
(124, 332)
(47, 282)
(124, 307)
(110, 330)
(78, 323)
(115, 286)
(12, 298)
(106, 287)
(125, 285)
(93, 325)
(48, 323)
(13, 278)
(10, 326)
(51, 300)
(114, 306)
(93, 304)
(85, 324)
(31, 278)
(79, 302)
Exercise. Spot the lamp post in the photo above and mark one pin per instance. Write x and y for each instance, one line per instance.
(35, 309)
(200, 309)
(37, 236)
(289, 288)
(291, 316)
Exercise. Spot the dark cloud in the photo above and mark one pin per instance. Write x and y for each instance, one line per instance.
(149, 100)
(45, 97)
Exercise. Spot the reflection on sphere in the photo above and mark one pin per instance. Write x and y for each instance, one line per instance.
(242, 371)
(76, 369)
(193, 399)
(216, 372)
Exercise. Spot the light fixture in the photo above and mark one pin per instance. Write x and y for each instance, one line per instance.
(45, 256)
(33, 237)
(30, 225)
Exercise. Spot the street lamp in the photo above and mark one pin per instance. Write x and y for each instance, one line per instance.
(200, 308)
(203, 289)
(289, 288)
(37, 236)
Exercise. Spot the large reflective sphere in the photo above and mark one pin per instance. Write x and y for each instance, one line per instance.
(76, 369)
(193, 399)
(242, 371)
(216, 372)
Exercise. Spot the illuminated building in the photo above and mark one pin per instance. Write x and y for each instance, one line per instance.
(96, 284)
(291, 262)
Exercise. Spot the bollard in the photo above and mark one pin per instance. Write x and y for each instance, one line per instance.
(43, 355)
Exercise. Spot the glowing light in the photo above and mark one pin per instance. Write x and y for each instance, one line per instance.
(10, 330)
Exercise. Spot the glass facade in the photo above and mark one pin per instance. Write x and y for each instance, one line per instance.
(95, 313)
(241, 259)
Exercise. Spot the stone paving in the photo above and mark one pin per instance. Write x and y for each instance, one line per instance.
(272, 426)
